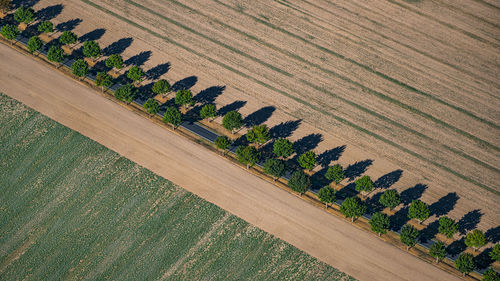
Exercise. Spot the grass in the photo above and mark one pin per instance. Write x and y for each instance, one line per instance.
(73, 209)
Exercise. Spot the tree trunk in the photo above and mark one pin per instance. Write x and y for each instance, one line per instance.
(463, 274)
(248, 166)
(352, 219)
(407, 248)
(437, 259)
(326, 205)
(102, 89)
(379, 234)
(274, 179)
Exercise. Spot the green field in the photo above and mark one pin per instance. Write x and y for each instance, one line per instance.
(73, 209)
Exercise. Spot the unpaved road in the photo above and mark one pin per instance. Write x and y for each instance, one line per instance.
(202, 172)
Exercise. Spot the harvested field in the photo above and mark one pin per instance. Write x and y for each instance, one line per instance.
(408, 85)
(73, 209)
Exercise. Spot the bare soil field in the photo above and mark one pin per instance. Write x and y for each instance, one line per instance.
(376, 86)
(198, 170)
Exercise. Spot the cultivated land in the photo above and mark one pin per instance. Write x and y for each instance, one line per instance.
(411, 85)
(200, 171)
(75, 210)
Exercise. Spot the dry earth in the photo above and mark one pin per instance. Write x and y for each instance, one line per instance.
(202, 172)
(410, 85)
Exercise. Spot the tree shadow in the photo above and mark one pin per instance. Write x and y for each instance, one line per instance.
(236, 105)
(49, 12)
(330, 155)
(157, 71)
(318, 179)
(388, 179)
(26, 3)
(373, 203)
(444, 205)
(412, 193)
(93, 35)
(138, 59)
(307, 143)
(284, 129)
(493, 234)
(469, 221)
(258, 117)
(209, 95)
(68, 25)
(429, 232)
(117, 47)
(357, 169)
(399, 219)
(184, 84)
(146, 91)
(483, 260)
(456, 247)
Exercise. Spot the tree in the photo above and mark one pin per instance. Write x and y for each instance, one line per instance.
(353, 208)
(438, 251)
(152, 107)
(10, 32)
(135, 74)
(223, 143)
(275, 168)
(232, 121)
(34, 44)
(208, 111)
(409, 235)
(24, 14)
(364, 184)
(46, 27)
(447, 226)
(327, 195)
(308, 160)
(115, 61)
(68, 38)
(5, 6)
(173, 117)
(55, 54)
(283, 148)
(379, 223)
(335, 173)
(103, 80)
(126, 93)
(418, 210)
(80, 68)
(184, 98)
(495, 253)
(258, 134)
(299, 182)
(475, 239)
(247, 155)
(91, 49)
(491, 275)
(161, 87)
(390, 199)
(465, 263)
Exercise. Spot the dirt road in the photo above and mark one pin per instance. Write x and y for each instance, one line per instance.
(204, 173)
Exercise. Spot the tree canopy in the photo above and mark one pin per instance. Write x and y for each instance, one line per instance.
(275, 167)
(135, 73)
(80, 68)
(126, 93)
(283, 148)
(232, 121)
(91, 49)
(184, 98)
(152, 107)
(9, 31)
(5, 5)
(353, 208)
(299, 182)
(379, 223)
(208, 111)
(247, 155)
(55, 54)
(390, 199)
(495, 253)
(447, 226)
(34, 44)
(327, 195)
(115, 61)
(308, 160)
(223, 143)
(46, 27)
(465, 263)
(438, 251)
(24, 14)
(335, 173)
(172, 116)
(161, 87)
(491, 275)
(418, 210)
(364, 184)
(475, 239)
(68, 38)
(258, 134)
(409, 235)
(103, 80)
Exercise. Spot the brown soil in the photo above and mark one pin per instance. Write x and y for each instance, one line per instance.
(199, 170)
